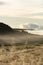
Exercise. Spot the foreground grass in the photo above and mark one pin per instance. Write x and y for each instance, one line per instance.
(21, 55)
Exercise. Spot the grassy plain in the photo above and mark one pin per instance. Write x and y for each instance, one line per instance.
(21, 55)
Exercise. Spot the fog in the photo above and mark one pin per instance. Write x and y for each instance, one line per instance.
(38, 32)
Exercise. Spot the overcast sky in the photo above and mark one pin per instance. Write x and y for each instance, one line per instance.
(22, 9)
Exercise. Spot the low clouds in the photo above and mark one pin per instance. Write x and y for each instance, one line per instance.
(32, 26)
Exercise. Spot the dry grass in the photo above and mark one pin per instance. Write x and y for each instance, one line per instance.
(21, 55)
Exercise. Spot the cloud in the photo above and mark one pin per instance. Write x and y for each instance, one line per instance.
(34, 26)
(31, 26)
(2, 3)
(38, 14)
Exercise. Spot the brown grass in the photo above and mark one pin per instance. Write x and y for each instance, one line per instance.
(21, 55)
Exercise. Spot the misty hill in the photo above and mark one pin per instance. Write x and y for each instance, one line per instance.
(17, 36)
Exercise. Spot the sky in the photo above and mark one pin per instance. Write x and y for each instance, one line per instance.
(17, 12)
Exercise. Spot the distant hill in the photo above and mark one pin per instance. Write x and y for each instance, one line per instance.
(4, 28)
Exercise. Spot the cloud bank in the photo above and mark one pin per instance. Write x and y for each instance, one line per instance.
(34, 26)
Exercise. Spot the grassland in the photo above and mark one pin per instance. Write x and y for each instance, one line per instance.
(21, 55)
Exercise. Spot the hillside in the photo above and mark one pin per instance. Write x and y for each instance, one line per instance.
(4, 28)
